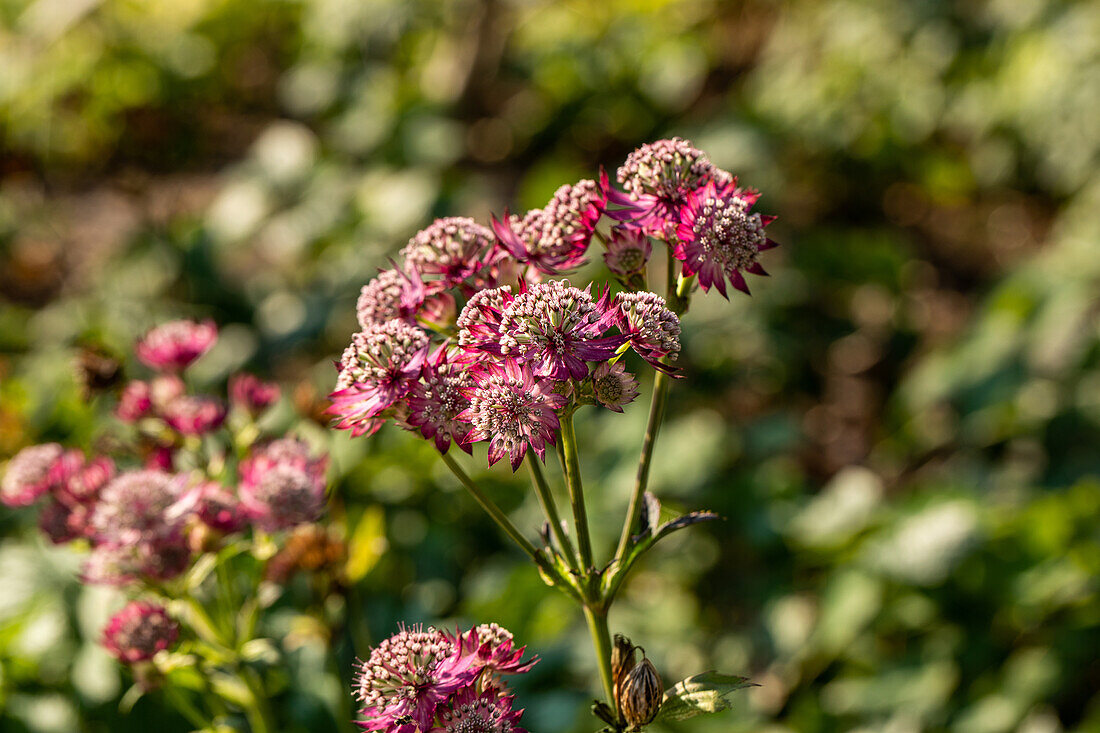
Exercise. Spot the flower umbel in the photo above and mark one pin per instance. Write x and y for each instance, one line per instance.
(139, 631)
(435, 402)
(377, 369)
(174, 345)
(282, 485)
(449, 252)
(470, 712)
(30, 474)
(652, 328)
(614, 386)
(408, 675)
(719, 237)
(513, 410)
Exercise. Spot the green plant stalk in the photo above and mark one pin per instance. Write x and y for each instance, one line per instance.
(601, 640)
(641, 479)
(186, 707)
(576, 493)
(259, 715)
(491, 508)
(550, 508)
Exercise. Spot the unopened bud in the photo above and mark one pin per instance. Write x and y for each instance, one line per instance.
(639, 695)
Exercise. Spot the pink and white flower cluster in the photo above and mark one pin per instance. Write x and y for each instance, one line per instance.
(140, 522)
(431, 681)
(469, 339)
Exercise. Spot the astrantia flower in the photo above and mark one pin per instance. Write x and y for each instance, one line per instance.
(408, 675)
(84, 479)
(719, 237)
(497, 653)
(658, 178)
(139, 506)
(139, 631)
(628, 251)
(164, 389)
(538, 239)
(194, 414)
(448, 252)
(251, 393)
(575, 209)
(653, 329)
(115, 563)
(30, 474)
(282, 485)
(392, 294)
(512, 409)
(433, 405)
(62, 522)
(479, 322)
(614, 386)
(135, 402)
(471, 712)
(174, 345)
(218, 508)
(557, 329)
(376, 370)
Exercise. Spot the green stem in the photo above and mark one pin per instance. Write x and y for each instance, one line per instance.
(259, 715)
(576, 491)
(186, 708)
(641, 479)
(491, 508)
(550, 508)
(601, 640)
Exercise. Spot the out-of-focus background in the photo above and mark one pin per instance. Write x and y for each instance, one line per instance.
(901, 426)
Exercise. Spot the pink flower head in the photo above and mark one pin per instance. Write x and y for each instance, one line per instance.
(282, 485)
(174, 345)
(434, 403)
(653, 329)
(84, 479)
(139, 631)
(658, 178)
(720, 238)
(408, 675)
(194, 415)
(479, 322)
(114, 563)
(142, 506)
(541, 241)
(614, 386)
(512, 409)
(392, 294)
(496, 651)
(628, 251)
(218, 508)
(164, 389)
(376, 370)
(449, 252)
(135, 402)
(557, 328)
(252, 394)
(31, 473)
(62, 522)
(468, 711)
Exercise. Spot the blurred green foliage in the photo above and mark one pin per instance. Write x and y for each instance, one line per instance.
(900, 426)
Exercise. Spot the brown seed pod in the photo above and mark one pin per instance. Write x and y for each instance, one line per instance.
(639, 695)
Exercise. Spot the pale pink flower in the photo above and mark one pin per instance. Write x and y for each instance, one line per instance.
(252, 394)
(614, 386)
(174, 345)
(31, 473)
(282, 485)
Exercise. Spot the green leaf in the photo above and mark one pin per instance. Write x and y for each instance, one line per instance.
(699, 694)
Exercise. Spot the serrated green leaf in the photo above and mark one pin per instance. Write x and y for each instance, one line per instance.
(699, 694)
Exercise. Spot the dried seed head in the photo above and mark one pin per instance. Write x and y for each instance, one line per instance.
(639, 694)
